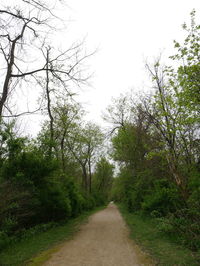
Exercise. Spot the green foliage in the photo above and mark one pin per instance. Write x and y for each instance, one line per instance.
(55, 205)
(38, 243)
(89, 202)
(184, 224)
(34, 189)
(148, 233)
(164, 199)
(102, 180)
(158, 146)
(129, 145)
(122, 184)
(34, 194)
(76, 199)
(189, 52)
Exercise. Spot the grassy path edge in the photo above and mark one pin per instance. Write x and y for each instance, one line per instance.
(75, 226)
(39, 248)
(163, 250)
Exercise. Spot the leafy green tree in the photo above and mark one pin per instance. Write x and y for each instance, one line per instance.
(188, 56)
(84, 145)
(66, 118)
(157, 146)
(103, 179)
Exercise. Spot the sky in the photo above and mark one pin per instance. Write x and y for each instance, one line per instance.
(126, 34)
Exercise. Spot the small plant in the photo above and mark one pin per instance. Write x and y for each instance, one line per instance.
(165, 226)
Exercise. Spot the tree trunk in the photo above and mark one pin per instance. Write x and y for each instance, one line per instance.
(62, 149)
(85, 178)
(179, 179)
(90, 177)
(49, 106)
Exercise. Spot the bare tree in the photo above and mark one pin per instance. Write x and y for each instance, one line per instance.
(27, 56)
(118, 113)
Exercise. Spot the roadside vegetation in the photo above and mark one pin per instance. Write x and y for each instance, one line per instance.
(165, 249)
(156, 142)
(62, 172)
(37, 244)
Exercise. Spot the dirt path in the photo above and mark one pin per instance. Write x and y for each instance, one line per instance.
(103, 241)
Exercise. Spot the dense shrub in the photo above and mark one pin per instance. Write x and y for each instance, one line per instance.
(34, 191)
(74, 195)
(163, 200)
(40, 184)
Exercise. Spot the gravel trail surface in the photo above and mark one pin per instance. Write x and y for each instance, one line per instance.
(103, 241)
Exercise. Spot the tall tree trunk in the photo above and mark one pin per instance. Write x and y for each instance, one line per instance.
(49, 105)
(90, 177)
(62, 149)
(10, 64)
(7, 78)
(178, 178)
(85, 178)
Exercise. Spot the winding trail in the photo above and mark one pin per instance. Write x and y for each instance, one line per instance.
(103, 241)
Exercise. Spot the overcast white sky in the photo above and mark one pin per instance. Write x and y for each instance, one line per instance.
(126, 32)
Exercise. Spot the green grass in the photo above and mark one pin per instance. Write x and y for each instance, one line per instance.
(38, 248)
(163, 249)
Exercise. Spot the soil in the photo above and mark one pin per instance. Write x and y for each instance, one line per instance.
(103, 241)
